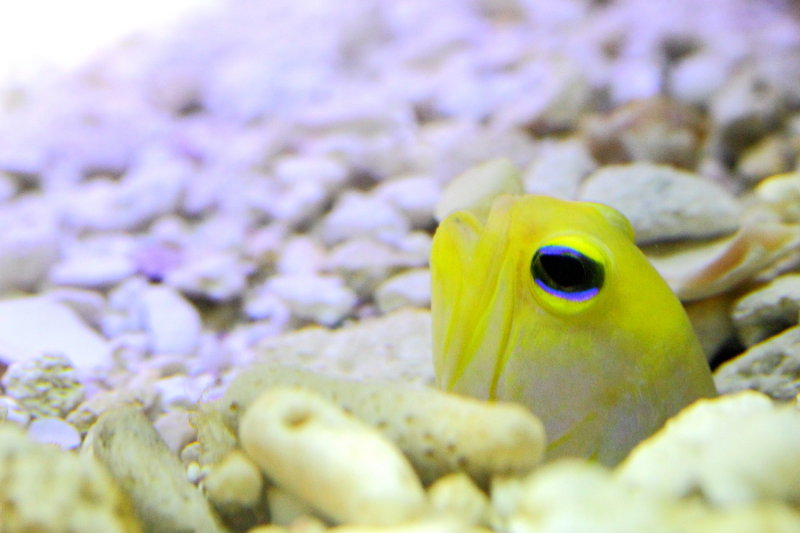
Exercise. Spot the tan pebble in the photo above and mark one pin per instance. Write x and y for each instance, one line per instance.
(435, 525)
(285, 508)
(268, 529)
(46, 489)
(438, 431)
(456, 494)
(476, 188)
(732, 450)
(234, 482)
(154, 478)
(214, 439)
(340, 465)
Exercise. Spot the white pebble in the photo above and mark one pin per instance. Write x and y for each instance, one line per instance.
(49, 430)
(301, 255)
(359, 215)
(172, 323)
(324, 299)
(412, 287)
(32, 326)
(414, 196)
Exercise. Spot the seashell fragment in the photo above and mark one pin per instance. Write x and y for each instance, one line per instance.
(700, 270)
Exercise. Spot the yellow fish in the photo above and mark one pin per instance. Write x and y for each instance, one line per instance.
(549, 303)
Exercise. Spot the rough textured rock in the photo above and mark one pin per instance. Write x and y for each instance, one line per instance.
(772, 367)
(582, 496)
(558, 169)
(165, 502)
(45, 386)
(767, 310)
(43, 488)
(338, 464)
(439, 432)
(732, 451)
(664, 203)
(396, 346)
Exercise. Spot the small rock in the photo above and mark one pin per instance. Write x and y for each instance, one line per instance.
(365, 263)
(98, 263)
(235, 483)
(45, 386)
(305, 444)
(47, 489)
(655, 130)
(49, 430)
(664, 203)
(768, 310)
(475, 189)
(325, 170)
(151, 188)
(732, 451)
(360, 215)
(33, 326)
(172, 323)
(300, 255)
(174, 429)
(558, 169)
(746, 107)
(323, 299)
(412, 288)
(12, 411)
(457, 495)
(414, 196)
(772, 367)
(767, 157)
(218, 276)
(123, 439)
(29, 244)
(781, 195)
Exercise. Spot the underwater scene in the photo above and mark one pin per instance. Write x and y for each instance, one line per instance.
(401, 266)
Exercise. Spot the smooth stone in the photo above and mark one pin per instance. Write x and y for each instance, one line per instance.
(663, 203)
(91, 270)
(172, 323)
(32, 326)
(234, 483)
(50, 430)
(300, 255)
(152, 476)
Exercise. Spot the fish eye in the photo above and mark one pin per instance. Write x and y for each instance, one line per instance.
(567, 273)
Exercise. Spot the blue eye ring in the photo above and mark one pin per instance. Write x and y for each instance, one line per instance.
(567, 273)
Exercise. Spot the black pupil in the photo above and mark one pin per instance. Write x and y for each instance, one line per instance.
(566, 270)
